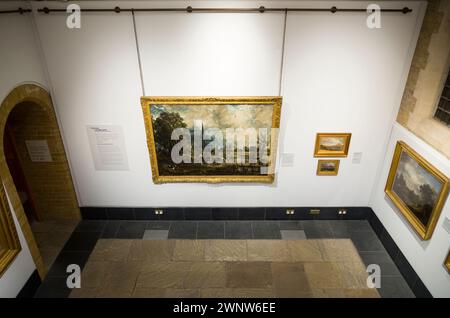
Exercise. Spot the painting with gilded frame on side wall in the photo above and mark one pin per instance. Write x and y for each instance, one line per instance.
(212, 139)
(332, 144)
(9, 241)
(417, 188)
(447, 262)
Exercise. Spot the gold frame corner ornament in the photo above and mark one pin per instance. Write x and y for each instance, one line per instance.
(424, 231)
(328, 173)
(324, 153)
(146, 101)
(9, 240)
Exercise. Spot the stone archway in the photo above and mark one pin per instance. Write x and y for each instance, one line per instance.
(29, 93)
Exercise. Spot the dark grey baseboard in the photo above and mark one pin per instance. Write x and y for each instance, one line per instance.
(268, 213)
(31, 286)
(224, 213)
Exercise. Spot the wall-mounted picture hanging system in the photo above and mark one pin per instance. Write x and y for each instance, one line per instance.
(190, 9)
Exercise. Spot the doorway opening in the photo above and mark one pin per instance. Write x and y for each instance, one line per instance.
(40, 186)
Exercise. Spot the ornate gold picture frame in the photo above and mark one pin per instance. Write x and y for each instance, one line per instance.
(201, 115)
(332, 144)
(447, 262)
(9, 241)
(328, 167)
(417, 188)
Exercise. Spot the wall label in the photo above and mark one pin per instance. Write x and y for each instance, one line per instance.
(287, 159)
(107, 144)
(357, 157)
(38, 150)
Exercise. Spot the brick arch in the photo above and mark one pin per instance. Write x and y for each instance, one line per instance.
(27, 93)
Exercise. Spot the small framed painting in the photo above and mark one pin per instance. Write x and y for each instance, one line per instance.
(447, 262)
(328, 167)
(417, 188)
(332, 144)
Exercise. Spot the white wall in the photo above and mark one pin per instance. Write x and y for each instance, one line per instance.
(210, 54)
(426, 257)
(19, 64)
(338, 76)
(19, 59)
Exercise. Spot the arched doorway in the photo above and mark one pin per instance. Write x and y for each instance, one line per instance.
(35, 172)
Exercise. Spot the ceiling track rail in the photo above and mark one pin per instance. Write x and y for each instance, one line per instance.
(190, 9)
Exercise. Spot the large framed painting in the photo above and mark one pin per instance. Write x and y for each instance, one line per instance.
(212, 139)
(332, 144)
(417, 188)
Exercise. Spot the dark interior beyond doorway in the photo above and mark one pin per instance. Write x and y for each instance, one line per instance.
(17, 173)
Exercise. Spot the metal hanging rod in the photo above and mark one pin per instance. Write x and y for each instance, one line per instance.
(190, 9)
(19, 10)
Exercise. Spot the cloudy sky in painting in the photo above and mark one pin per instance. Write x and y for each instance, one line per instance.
(332, 141)
(415, 175)
(221, 116)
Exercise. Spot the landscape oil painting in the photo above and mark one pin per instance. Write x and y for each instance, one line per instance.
(332, 144)
(328, 167)
(212, 139)
(417, 188)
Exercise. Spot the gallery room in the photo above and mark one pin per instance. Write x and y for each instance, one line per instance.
(224, 149)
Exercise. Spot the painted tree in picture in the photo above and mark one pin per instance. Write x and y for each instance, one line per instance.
(163, 126)
(212, 123)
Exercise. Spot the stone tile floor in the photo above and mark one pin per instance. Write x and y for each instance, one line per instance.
(84, 239)
(224, 268)
(51, 236)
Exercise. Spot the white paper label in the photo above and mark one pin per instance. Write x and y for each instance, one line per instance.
(357, 156)
(38, 150)
(287, 160)
(107, 144)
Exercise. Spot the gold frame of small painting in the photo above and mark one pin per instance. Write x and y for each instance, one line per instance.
(447, 262)
(327, 172)
(339, 143)
(417, 189)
